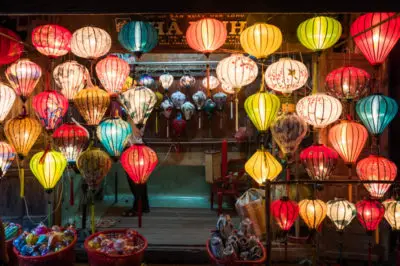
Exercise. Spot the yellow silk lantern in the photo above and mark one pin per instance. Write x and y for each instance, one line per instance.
(92, 104)
(392, 213)
(262, 166)
(313, 212)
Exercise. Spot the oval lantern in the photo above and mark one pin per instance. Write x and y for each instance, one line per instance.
(285, 212)
(90, 42)
(370, 213)
(319, 161)
(187, 110)
(376, 41)
(146, 80)
(71, 77)
(319, 33)
(347, 83)
(286, 75)
(7, 156)
(319, 110)
(7, 99)
(376, 168)
(10, 49)
(392, 214)
(178, 98)
(92, 103)
(313, 212)
(376, 112)
(178, 125)
(52, 40)
(138, 37)
(187, 81)
(348, 139)
(263, 166)
(112, 73)
(199, 98)
(50, 107)
(23, 76)
(167, 106)
(206, 35)
(213, 82)
(113, 133)
(166, 81)
(341, 212)
(220, 100)
(261, 40)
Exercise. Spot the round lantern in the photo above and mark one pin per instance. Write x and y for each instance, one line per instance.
(376, 112)
(187, 110)
(71, 77)
(138, 37)
(48, 167)
(92, 103)
(319, 33)
(286, 75)
(370, 213)
(313, 212)
(94, 165)
(50, 107)
(348, 139)
(228, 89)
(23, 76)
(392, 214)
(199, 98)
(213, 82)
(178, 98)
(261, 40)
(319, 161)
(113, 134)
(179, 125)
(167, 106)
(51, 40)
(206, 35)
(139, 102)
(146, 80)
(220, 100)
(209, 107)
(377, 42)
(10, 49)
(376, 168)
(90, 42)
(341, 212)
(7, 156)
(187, 81)
(7, 99)
(166, 81)
(285, 212)
(71, 139)
(139, 161)
(262, 166)
(112, 73)
(319, 110)
(347, 83)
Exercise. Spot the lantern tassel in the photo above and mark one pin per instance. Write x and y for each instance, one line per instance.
(156, 123)
(167, 128)
(140, 211)
(315, 73)
(231, 104)
(349, 186)
(49, 212)
(377, 235)
(92, 223)
(22, 182)
(237, 113)
(287, 179)
(71, 191)
(199, 120)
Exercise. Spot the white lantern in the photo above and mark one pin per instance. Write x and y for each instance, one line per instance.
(341, 212)
(71, 77)
(166, 81)
(228, 89)
(286, 75)
(392, 213)
(90, 42)
(112, 72)
(178, 98)
(214, 82)
(7, 99)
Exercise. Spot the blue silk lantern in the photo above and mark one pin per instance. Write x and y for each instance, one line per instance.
(138, 37)
(146, 80)
(376, 112)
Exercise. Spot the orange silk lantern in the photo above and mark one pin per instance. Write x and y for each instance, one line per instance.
(112, 72)
(92, 103)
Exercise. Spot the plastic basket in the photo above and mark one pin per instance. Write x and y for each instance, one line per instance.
(97, 258)
(12, 258)
(64, 257)
(216, 261)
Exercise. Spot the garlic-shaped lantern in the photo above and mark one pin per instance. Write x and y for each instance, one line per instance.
(220, 100)
(92, 103)
(166, 81)
(188, 110)
(167, 107)
(71, 78)
(7, 99)
(341, 212)
(112, 73)
(187, 81)
(199, 98)
(178, 98)
(210, 82)
(178, 125)
(146, 80)
(209, 107)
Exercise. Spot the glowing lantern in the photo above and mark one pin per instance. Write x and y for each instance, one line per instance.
(319, 110)
(7, 156)
(227, 88)
(262, 166)
(128, 83)
(392, 214)
(214, 82)
(370, 213)
(10, 49)
(220, 100)
(199, 98)
(48, 167)
(261, 40)
(113, 134)
(52, 40)
(376, 112)
(7, 99)
(71, 77)
(71, 139)
(178, 98)
(319, 161)
(285, 212)
(23, 76)
(187, 81)
(179, 125)
(90, 42)
(112, 72)
(376, 168)
(347, 83)
(166, 81)
(139, 102)
(313, 212)
(187, 110)
(92, 103)
(348, 139)
(146, 80)
(377, 42)
(286, 75)
(319, 33)
(50, 107)
(341, 212)
(206, 35)
(138, 37)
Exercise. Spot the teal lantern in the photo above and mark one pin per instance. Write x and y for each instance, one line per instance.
(376, 112)
(138, 37)
(114, 133)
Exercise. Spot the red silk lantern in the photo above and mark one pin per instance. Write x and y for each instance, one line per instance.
(52, 40)
(285, 212)
(376, 43)
(319, 161)
(376, 168)
(370, 213)
(10, 49)
(179, 125)
(50, 107)
(112, 72)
